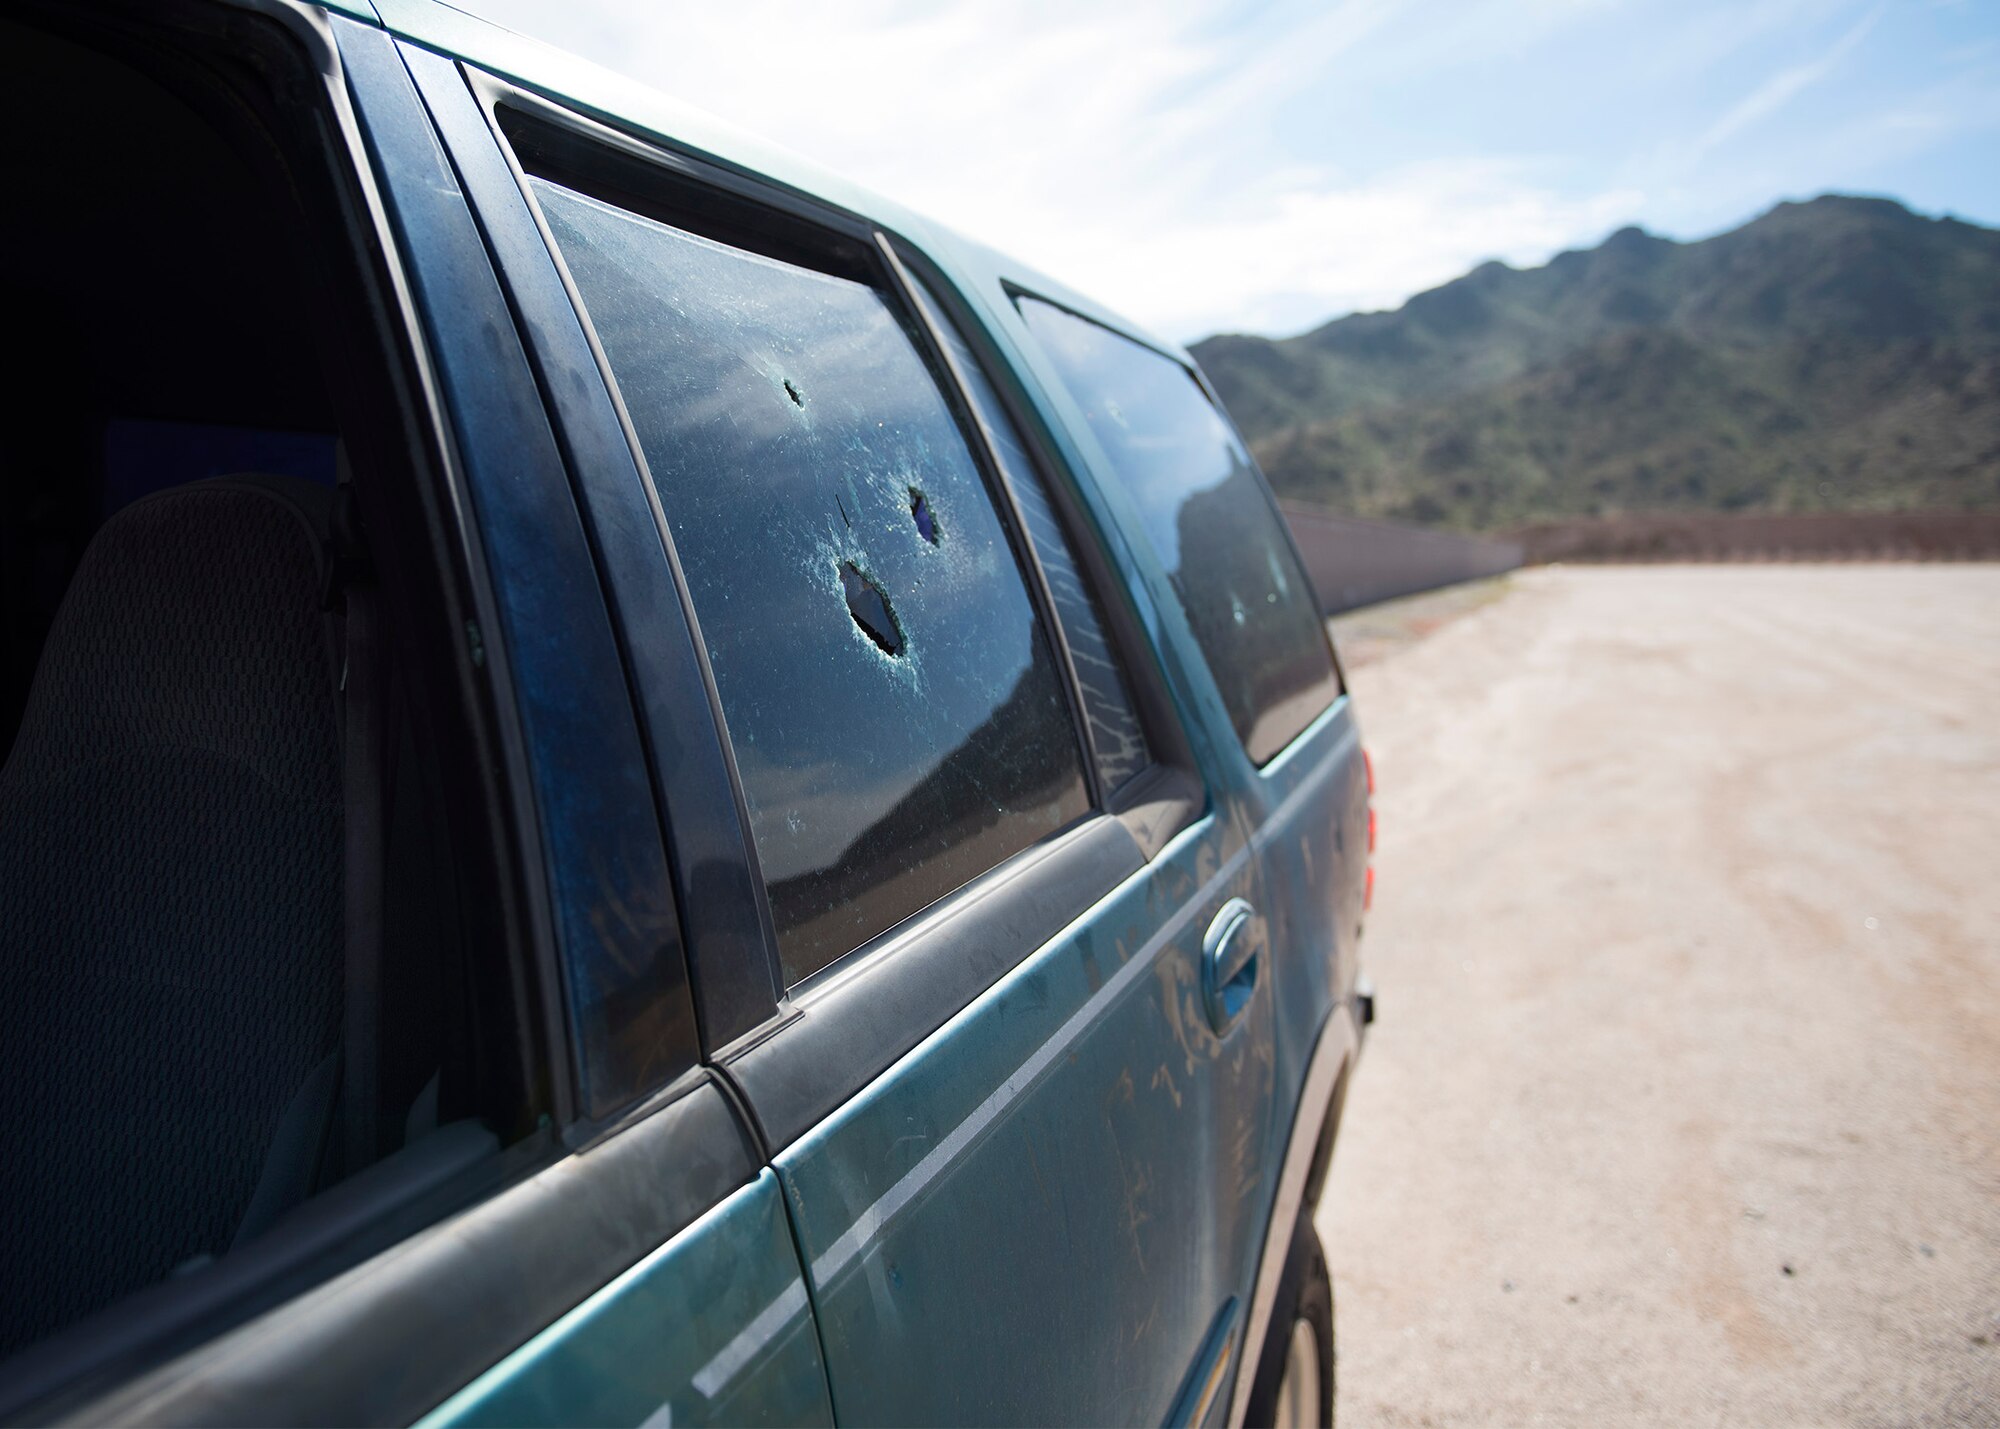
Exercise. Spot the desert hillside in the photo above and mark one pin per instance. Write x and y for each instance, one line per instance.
(1841, 354)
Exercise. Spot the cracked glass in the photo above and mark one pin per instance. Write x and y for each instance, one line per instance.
(893, 703)
(1210, 521)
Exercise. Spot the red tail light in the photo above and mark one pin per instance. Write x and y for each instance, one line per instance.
(1368, 887)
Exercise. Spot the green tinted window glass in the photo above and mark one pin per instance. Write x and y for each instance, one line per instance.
(1211, 522)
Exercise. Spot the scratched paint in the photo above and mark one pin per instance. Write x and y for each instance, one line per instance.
(1028, 1169)
(1015, 1191)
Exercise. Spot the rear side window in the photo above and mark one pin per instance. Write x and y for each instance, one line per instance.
(894, 705)
(223, 725)
(1210, 521)
(1115, 734)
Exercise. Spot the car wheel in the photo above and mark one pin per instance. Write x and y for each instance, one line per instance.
(1294, 1384)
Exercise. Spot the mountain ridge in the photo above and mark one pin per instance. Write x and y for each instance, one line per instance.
(1837, 353)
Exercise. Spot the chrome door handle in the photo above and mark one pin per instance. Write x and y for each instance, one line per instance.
(1229, 965)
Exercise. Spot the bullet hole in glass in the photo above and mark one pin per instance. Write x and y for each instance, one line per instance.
(870, 609)
(926, 519)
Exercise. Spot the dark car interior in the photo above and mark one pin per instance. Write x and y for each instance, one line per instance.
(234, 917)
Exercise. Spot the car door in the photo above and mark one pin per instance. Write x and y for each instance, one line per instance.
(1049, 1201)
(645, 1272)
(964, 1005)
(1292, 757)
(572, 1222)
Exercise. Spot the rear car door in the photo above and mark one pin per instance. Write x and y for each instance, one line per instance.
(543, 1174)
(653, 1264)
(1024, 1152)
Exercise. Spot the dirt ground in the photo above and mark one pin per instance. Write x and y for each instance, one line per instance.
(1683, 1106)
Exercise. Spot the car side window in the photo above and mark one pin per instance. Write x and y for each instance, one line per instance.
(223, 729)
(894, 705)
(1210, 520)
(1117, 739)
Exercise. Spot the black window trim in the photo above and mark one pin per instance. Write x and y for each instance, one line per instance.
(537, 508)
(1110, 322)
(713, 930)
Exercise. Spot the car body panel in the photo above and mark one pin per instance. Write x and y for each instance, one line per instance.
(1311, 833)
(741, 1349)
(403, 1331)
(1067, 1175)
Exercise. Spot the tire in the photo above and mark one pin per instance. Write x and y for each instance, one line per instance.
(1299, 1346)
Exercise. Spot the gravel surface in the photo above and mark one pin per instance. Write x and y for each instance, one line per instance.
(1683, 1106)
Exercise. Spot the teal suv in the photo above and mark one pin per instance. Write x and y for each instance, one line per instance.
(639, 788)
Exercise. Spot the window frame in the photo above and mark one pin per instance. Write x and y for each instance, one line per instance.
(1159, 806)
(1015, 292)
(1167, 796)
(272, 78)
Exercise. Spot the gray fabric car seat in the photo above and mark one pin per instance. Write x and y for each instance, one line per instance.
(171, 883)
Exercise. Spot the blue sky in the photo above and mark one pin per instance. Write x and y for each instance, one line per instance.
(1263, 167)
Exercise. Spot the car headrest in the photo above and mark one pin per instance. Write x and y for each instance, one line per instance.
(194, 620)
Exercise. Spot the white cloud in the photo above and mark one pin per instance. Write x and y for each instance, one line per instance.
(1319, 248)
